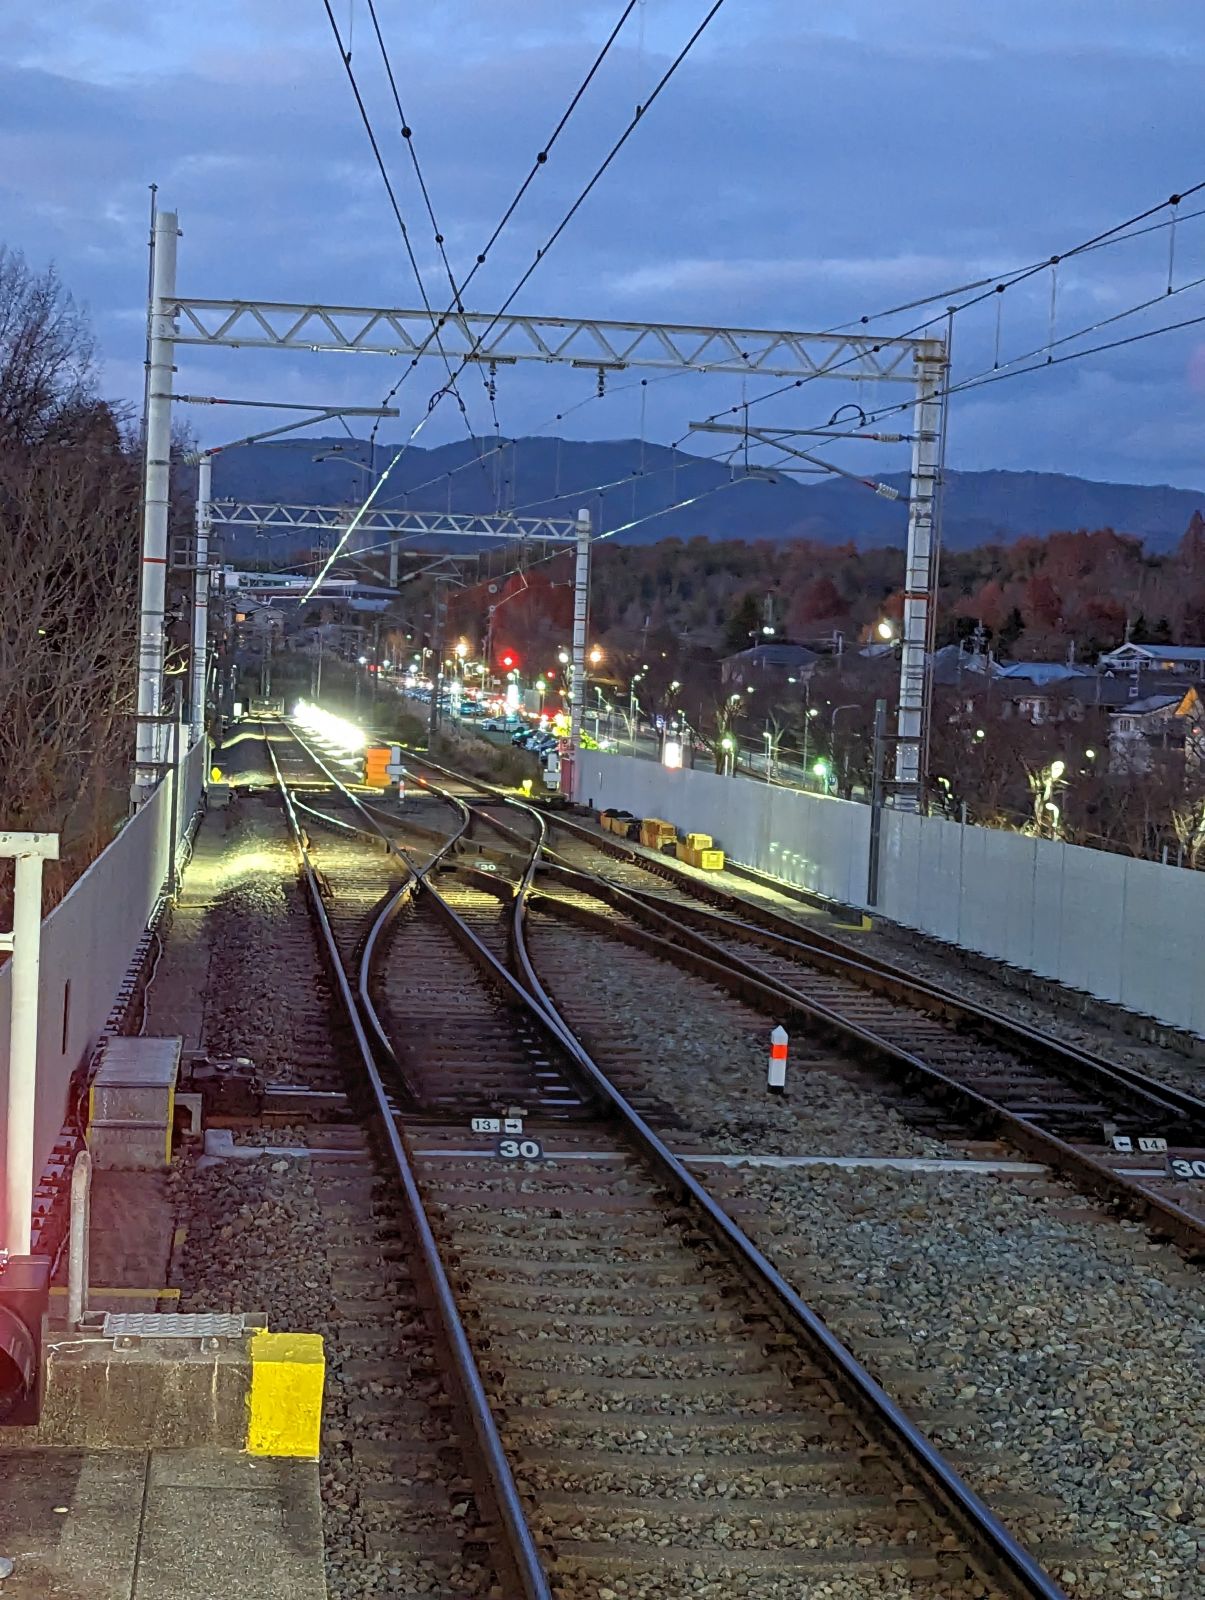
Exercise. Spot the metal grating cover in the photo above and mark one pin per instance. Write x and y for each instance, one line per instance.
(173, 1325)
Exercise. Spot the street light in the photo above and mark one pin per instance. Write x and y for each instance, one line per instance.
(728, 745)
(1045, 804)
(886, 630)
(850, 705)
(596, 656)
(636, 677)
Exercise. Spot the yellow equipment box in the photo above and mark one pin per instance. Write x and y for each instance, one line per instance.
(705, 860)
(699, 841)
(654, 832)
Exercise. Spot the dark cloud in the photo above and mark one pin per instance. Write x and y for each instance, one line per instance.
(811, 164)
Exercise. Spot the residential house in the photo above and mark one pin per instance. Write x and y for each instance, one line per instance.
(1173, 722)
(1184, 660)
(769, 666)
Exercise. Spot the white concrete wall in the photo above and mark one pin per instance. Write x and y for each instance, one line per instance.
(88, 941)
(1121, 929)
(806, 839)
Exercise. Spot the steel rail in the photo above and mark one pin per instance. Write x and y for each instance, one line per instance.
(1177, 1107)
(1178, 1101)
(521, 1552)
(984, 1535)
(1005, 1560)
(873, 972)
(729, 971)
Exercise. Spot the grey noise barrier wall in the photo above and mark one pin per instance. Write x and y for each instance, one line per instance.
(1120, 929)
(88, 942)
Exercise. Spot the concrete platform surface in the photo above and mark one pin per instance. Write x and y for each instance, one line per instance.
(163, 1525)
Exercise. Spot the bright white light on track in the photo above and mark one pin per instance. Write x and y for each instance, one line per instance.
(332, 730)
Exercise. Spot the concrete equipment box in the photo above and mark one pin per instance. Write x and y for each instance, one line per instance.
(132, 1102)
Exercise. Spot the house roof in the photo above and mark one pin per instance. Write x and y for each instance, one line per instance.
(1039, 671)
(1157, 652)
(776, 655)
(1148, 704)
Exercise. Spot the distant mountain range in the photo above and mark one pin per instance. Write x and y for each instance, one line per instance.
(553, 477)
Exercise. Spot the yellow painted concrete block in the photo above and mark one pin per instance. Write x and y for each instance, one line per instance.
(287, 1375)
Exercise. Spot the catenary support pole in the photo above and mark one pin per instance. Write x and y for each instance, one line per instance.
(30, 850)
(149, 746)
(577, 689)
(200, 600)
(918, 571)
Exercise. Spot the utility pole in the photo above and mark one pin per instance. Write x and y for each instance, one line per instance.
(158, 448)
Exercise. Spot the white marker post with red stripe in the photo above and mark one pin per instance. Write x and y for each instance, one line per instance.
(776, 1076)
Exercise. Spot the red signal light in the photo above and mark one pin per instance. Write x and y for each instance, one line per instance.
(508, 659)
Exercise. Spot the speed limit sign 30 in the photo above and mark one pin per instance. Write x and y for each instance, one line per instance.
(519, 1149)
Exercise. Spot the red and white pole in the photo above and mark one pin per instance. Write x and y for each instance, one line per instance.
(776, 1076)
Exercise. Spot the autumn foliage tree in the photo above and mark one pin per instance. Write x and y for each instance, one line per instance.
(68, 574)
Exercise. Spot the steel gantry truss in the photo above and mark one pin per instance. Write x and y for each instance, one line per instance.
(396, 523)
(588, 343)
(578, 341)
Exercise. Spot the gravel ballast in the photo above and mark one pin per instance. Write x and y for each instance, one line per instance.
(265, 977)
(1074, 1342)
(260, 1240)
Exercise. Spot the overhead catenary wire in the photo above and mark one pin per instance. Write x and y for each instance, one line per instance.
(756, 473)
(1011, 369)
(540, 161)
(407, 135)
(345, 57)
(540, 255)
(1119, 233)
(592, 182)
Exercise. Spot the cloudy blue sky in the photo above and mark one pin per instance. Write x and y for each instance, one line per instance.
(811, 163)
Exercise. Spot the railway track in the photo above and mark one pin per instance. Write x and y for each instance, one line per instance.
(644, 1405)
(985, 1073)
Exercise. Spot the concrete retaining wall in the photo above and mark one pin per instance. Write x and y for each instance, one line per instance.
(88, 942)
(1123, 930)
